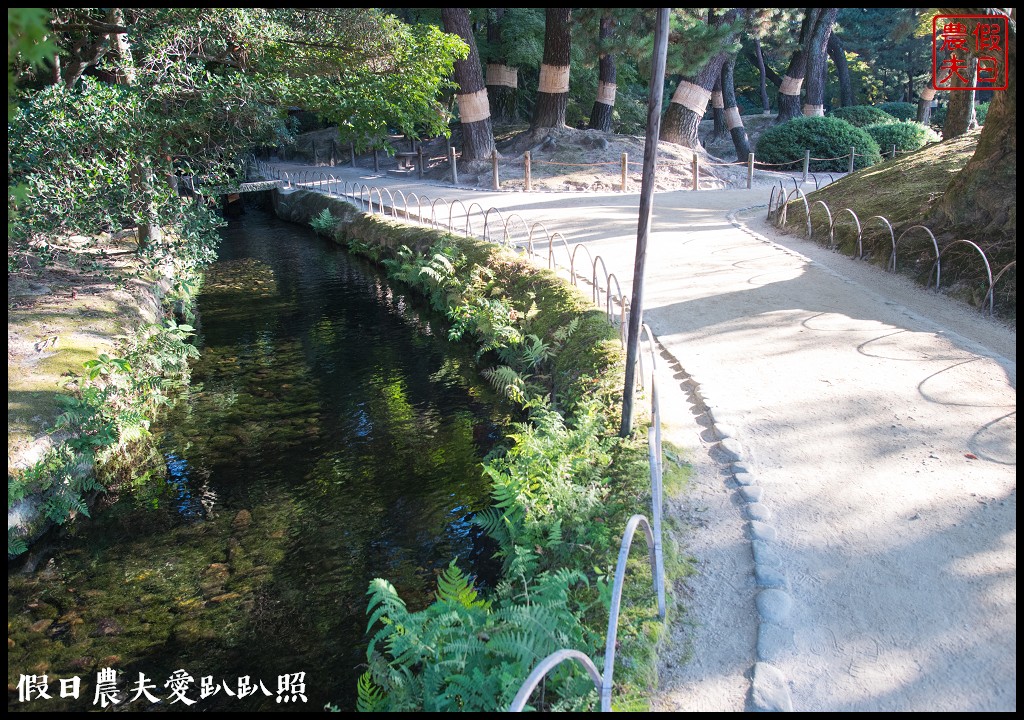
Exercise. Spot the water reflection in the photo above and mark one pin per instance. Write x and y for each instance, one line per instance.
(330, 436)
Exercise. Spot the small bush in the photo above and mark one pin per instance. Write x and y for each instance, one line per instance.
(825, 137)
(906, 136)
(899, 110)
(981, 110)
(861, 115)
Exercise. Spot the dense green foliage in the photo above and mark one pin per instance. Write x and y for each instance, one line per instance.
(107, 412)
(563, 486)
(899, 110)
(828, 138)
(146, 102)
(862, 115)
(906, 136)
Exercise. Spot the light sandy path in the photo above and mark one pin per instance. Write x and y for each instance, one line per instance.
(876, 423)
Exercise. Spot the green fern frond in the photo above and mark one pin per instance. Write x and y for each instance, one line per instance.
(454, 587)
(370, 697)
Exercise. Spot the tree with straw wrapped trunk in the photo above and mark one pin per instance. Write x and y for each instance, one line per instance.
(731, 111)
(502, 79)
(601, 114)
(690, 99)
(793, 80)
(717, 112)
(816, 57)
(474, 109)
(553, 86)
(808, 63)
(924, 105)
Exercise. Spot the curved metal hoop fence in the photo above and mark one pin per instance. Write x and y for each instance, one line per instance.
(778, 205)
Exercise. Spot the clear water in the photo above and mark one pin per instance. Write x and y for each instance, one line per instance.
(331, 435)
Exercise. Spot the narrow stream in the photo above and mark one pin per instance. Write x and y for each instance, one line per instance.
(331, 435)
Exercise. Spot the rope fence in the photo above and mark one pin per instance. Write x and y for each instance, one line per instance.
(542, 247)
(415, 161)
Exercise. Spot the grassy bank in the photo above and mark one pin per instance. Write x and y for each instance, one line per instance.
(905, 191)
(563, 486)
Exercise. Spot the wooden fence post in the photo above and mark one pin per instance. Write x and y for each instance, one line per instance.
(625, 165)
(451, 160)
(696, 174)
(352, 153)
(376, 161)
(807, 163)
(853, 154)
(494, 165)
(750, 171)
(526, 171)
(420, 158)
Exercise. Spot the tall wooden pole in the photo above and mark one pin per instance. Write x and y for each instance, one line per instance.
(646, 206)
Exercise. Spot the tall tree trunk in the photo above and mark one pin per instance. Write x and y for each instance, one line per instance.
(817, 66)
(789, 88)
(924, 105)
(502, 80)
(601, 115)
(732, 112)
(474, 110)
(961, 116)
(983, 195)
(553, 86)
(766, 105)
(690, 100)
(717, 112)
(837, 52)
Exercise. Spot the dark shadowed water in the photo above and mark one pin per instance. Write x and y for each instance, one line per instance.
(331, 435)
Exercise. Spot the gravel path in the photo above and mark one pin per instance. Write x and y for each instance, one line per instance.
(853, 510)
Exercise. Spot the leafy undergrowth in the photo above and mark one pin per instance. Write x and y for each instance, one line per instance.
(563, 487)
(904, 191)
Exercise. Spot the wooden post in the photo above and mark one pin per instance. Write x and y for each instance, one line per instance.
(696, 174)
(420, 158)
(352, 153)
(893, 152)
(451, 160)
(643, 226)
(526, 171)
(625, 167)
(853, 153)
(334, 152)
(376, 161)
(807, 163)
(750, 171)
(494, 165)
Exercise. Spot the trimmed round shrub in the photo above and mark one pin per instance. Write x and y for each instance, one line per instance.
(861, 115)
(906, 136)
(825, 137)
(899, 110)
